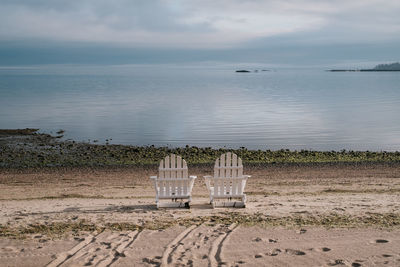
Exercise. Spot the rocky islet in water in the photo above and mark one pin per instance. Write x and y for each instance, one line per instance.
(380, 67)
(247, 71)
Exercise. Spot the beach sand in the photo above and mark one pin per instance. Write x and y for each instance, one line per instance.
(308, 215)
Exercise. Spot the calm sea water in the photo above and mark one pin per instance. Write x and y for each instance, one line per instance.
(206, 106)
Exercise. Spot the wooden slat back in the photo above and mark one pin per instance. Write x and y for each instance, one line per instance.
(228, 165)
(216, 168)
(234, 172)
(185, 169)
(173, 166)
(167, 168)
(178, 165)
(161, 172)
(173, 179)
(240, 169)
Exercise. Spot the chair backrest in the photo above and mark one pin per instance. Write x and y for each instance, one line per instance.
(229, 165)
(173, 166)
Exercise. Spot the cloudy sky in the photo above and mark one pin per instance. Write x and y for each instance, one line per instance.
(162, 31)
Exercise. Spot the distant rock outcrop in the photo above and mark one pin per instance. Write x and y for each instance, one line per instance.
(245, 71)
(388, 67)
(242, 71)
(380, 67)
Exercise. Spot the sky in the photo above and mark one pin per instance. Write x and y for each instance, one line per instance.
(292, 32)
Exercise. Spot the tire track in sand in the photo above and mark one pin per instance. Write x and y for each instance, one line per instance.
(100, 250)
(119, 250)
(171, 247)
(197, 241)
(63, 257)
(217, 246)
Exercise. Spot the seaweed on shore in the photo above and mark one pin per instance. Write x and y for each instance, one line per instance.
(333, 220)
(26, 148)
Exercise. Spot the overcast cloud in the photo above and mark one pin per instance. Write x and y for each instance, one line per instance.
(200, 24)
(197, 23)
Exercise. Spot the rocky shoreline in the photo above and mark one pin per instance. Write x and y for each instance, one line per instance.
(21, 148)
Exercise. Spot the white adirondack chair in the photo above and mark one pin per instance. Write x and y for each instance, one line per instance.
(173, 182)
(228, 181)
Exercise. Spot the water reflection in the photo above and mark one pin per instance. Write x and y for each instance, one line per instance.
(216, 107)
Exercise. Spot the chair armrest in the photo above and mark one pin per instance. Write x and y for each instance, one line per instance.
(247, 176)
(193, 176)
(153, 177)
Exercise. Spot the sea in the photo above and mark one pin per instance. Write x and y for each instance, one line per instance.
(206, 105)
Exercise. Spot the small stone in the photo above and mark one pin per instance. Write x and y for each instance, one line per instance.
(301, 231)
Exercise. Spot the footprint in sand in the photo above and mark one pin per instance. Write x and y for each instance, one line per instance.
(274, 252)
(387, 255)
(380, 241)
(294, 252)
(257, 239)
(355, 264)
(258, 256)
(151, 261)
(288, 251)
(336, 262)
(301, 231)
(326, 249)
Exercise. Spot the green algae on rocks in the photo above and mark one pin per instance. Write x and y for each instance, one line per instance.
(22, 148)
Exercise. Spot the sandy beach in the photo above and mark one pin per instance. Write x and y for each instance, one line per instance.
(296, 215)
(285, 111)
